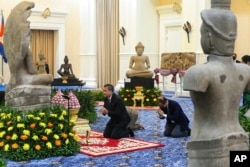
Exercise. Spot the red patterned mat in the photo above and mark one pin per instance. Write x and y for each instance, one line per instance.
(100, 146)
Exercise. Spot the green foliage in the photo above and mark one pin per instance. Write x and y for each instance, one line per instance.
(36, 134)
(244, 121)
(87, 102)
(3, 163)
(98, 94)
(150, 96)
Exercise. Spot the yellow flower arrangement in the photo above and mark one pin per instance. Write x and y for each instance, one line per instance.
(26, 147)
(150, 96)
(39, 133)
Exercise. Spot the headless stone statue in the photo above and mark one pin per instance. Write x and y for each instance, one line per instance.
(42, 65)
(139, 64)
(215, 128)
(26, 89)
(66, 69)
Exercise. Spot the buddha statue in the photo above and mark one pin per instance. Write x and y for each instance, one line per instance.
(66, 69)
(139, 64)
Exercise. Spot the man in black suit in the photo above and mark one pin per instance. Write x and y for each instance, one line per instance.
(119, 119)
(177, 121)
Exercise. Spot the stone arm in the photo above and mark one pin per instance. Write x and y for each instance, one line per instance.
(247, 88)
(147, 62)
(60, 70)
(195, 79)
(30, 63)
(131, 62)
(70, 68)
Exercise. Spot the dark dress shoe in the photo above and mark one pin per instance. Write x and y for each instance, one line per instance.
(131, 133)
(189, 132)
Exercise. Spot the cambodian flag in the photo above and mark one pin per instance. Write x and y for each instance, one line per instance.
(1, 40)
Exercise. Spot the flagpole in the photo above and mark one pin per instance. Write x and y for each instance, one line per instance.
(2, 55)
(2, 49)
(2, 67)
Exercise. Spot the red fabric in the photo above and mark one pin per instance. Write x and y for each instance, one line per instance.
(2, 27)
(174, 72)
(100, 146)
(157, 79)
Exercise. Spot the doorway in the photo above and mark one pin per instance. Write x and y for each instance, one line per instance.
(43, 41)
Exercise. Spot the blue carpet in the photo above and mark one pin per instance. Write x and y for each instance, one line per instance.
(173, 154)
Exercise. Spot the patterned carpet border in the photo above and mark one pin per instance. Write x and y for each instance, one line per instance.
(100, 146)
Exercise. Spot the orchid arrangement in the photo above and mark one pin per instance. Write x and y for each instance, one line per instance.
(73, 101)
(59, 99)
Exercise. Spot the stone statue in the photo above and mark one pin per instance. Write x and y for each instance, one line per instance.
(25, 89)
(66, 69)
(215, 128)
(137, 64)
(42, 65)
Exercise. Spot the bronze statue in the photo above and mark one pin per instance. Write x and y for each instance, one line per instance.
(139, 64)
(66, 69)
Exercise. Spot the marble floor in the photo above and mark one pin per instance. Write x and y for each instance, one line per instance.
(173, 154)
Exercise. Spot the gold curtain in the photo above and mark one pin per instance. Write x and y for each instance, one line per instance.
(107, 16)
(43, 40)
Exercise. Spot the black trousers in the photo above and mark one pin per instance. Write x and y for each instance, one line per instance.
(115, 132)
(175, 130)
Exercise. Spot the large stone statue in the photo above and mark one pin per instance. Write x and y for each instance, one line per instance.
(26, 89)
(139, 64)
(215, 128)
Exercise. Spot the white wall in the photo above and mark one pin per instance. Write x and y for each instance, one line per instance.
(88, 43)
(71, 26)
(140, 19)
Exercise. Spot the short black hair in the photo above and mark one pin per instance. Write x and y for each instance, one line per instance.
(245, 58)
(110, 87)
(162, 99)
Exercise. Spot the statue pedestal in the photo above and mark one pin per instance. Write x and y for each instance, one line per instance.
(82, 127)
(138, 95)
(146, 83)
(216, 152)
(70, 82)
(28, 97)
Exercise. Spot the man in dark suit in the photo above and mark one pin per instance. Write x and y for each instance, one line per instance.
(177, 121)
(235, 58)
(119, 119)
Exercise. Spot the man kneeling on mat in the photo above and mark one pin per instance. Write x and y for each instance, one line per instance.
(177, 121)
